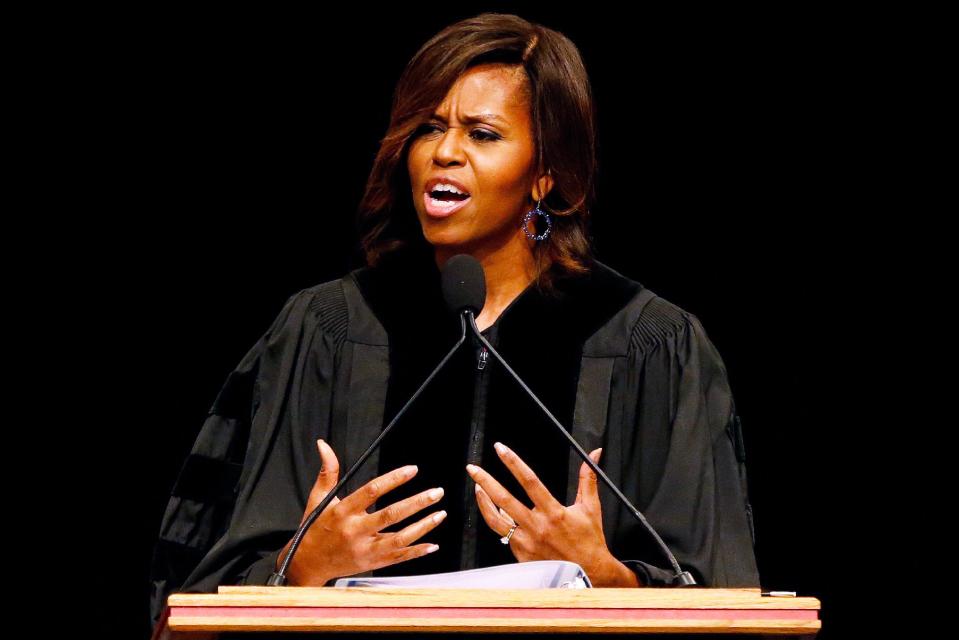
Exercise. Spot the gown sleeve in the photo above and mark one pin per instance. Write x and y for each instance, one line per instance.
(234, 503)
(685, 462)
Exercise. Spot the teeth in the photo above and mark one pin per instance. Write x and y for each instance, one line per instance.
(445, 203)
(448, 187)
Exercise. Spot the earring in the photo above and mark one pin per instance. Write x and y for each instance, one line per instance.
(529, 216)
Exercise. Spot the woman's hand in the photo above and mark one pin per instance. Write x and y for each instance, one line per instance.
(345, 539)
(551, 531)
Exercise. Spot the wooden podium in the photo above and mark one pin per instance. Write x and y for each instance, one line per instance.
(190, 616)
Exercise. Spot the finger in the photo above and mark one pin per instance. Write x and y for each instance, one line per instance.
(328, 476)
(399, 511)
(491, 515)
(530, 482)
(408, 553)
(500, 495)
(369, 493)
(397, 541)
(587, 488)
(330, 471)
(506, 516)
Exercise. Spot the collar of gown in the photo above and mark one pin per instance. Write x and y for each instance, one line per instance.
(404, 292)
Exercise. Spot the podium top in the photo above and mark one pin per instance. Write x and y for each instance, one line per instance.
(606, 610)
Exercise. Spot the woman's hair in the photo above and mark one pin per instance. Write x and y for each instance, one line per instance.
(564, 133)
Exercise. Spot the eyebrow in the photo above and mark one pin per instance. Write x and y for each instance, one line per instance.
(479, 117)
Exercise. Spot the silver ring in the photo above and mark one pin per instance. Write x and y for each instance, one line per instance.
(505, 539)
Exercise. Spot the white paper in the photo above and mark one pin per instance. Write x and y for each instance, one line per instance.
(539, 574)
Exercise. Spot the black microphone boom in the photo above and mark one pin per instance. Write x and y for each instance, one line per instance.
(464, 287)
(278, 578)
(466, 271)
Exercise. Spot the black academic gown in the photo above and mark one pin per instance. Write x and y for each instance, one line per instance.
(619, 366)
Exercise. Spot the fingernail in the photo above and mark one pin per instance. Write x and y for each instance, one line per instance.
(471, 468)
(477, 488)
(438, 517)
(500, 448)
(436, 494)
(410, 471)
(432, 548)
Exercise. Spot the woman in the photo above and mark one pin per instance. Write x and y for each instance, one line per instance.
(491, 152)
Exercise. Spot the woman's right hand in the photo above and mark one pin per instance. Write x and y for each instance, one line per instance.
(345, 539)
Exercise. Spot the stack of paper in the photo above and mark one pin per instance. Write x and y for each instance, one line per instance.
(539, 574)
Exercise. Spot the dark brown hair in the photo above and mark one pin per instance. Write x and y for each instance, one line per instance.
(564, 132)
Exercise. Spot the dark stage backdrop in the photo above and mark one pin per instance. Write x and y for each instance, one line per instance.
(736, 154)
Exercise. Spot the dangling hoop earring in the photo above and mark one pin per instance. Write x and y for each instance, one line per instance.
(529, 216)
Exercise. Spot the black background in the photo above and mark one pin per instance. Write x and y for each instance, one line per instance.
(745, 176)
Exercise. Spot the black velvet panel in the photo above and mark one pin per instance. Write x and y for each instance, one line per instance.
(540, 337)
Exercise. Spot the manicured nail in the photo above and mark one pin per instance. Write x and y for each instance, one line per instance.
(436, 494)
(500, 448)
(477, 488)
(471, 468)
(432, 548)
(438, 517)
(410, 471)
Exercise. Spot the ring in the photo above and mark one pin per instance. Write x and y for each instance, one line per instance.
(505, 539)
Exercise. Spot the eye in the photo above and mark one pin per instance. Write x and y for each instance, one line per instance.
(425, 128)
(485, 136)
(480, 135)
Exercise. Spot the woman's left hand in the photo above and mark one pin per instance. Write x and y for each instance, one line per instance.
(551, 531)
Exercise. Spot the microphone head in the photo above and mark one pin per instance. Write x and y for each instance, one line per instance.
(464, 284)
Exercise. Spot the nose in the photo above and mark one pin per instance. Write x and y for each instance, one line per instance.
(449, 149)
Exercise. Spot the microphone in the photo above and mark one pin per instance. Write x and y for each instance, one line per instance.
(464, 289)
(464, 284)
(468, 280)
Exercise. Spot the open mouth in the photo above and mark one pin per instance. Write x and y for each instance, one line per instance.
(440, 204)
(447, 197)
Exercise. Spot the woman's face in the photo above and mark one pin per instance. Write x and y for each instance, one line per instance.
(481, 138)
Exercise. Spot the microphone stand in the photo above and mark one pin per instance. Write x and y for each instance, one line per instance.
(278, 578)
(682, 578)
